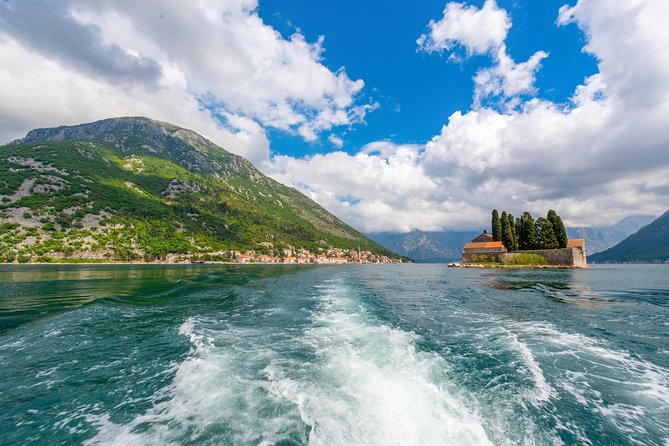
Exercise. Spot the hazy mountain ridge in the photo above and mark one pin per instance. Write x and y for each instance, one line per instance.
(446, 246)
(649, 245)
(601, 238)
(127, 188)
(426, 247)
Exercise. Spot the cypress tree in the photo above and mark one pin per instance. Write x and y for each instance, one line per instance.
(546, 238)
(528, 231)
(558, 228)
(507, 236)
(514, 235)
(519, 234)
(496, 226)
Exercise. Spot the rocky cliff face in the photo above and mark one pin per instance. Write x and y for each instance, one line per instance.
(185, 147)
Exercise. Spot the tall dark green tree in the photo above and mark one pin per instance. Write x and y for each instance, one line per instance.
(519, 233)
(507, 235)
(528, 232)
(496, 226)
(558, 228)
(546, 238)
(514, 235)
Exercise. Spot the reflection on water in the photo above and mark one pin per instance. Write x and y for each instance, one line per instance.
(560, 285)
(29, 292)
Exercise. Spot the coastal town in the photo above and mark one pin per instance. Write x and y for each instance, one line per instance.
(330, 255)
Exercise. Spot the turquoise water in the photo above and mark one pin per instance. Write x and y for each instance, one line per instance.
(344, 355)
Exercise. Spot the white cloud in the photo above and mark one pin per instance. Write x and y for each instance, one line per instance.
(384, 187)
(484, 31)
(507, 79)
(169, 60)
(479, 31)
(336, 141)
(595, 160)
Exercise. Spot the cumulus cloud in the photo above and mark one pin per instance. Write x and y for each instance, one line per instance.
(507, 80)
(210, 65)
(383, 187)
(478, 31)
(596, 159)
(79, 46)
(484, 31)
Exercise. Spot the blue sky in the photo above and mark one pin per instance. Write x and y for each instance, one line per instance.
(394, 116)
(416, 91)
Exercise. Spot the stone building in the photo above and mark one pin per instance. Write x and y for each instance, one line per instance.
(482, 249)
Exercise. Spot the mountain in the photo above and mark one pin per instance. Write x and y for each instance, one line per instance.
(426, 247)
(446, 246)
(649, 244)
(132, 188)
(601, 238)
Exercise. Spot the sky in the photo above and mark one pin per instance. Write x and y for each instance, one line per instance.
(393, 115)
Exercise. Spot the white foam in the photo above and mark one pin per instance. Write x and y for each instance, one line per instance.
(543, 391)
(632, 394)
(647, 379)
(372, 386)
(365, 383)
(217, 394)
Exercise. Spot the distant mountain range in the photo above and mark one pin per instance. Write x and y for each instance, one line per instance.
(446, 246)
(134, 188)
(426, 247)
(601, 238)
(649, 244)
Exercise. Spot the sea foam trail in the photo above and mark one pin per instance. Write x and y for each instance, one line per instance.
(214, 398)
(543, 391)
(629, 393)
(356, 382)
(372, 386)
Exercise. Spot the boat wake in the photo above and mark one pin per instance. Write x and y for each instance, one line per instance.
(347, 380)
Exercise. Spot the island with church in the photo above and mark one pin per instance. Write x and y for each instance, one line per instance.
(524, 242)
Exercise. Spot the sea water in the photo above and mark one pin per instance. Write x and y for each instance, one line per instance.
(333, 355)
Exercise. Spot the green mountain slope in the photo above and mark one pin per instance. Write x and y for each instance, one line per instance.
(649, 244)
(135, 188)
(601, 238)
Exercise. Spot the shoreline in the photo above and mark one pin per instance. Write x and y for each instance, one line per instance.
(501, 266)
(198, 263)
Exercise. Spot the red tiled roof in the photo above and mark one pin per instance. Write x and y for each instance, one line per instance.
(576, 243)
(483, 245)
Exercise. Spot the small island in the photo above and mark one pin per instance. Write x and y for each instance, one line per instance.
(524, 242)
